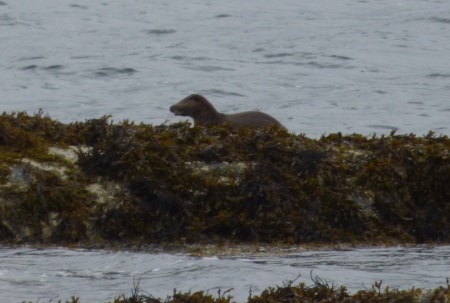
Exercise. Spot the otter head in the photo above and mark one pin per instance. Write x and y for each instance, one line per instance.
(194, 106)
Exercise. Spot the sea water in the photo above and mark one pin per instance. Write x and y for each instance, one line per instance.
(30, 274)
(319, 67)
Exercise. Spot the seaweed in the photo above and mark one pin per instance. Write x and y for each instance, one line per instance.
(319, 292)
(176, 183)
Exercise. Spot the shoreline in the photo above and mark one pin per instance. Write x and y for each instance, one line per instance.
(221, 250)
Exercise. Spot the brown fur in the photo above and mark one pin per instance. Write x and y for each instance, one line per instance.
(204, 114)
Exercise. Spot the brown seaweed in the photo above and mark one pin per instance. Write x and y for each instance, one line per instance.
(176, 183)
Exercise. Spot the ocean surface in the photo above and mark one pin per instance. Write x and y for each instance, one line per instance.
(319, 67)
(49, 275)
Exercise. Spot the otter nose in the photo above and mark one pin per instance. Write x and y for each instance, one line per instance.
(171, 108)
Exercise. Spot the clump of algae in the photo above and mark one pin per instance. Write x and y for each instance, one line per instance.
(180, 184)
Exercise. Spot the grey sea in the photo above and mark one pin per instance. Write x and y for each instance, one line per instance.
(320, 67)
(49, 275)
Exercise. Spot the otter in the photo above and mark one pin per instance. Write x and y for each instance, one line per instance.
(204, 114)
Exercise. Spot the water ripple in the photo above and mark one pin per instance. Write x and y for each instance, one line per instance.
(160, 31)
(324, 65)
(185, 58)
(440, 20)
(53, 67)
(210, 68)
(6, 20)
(112, 71)
(31, 58)
(438, 75)
(218, 92)
(341, 57)
(223, 16)
(279, 55)
(30, 67)
(79, 6)
(380, 126)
